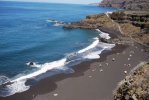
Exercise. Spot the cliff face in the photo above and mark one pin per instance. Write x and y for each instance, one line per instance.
(126, 4)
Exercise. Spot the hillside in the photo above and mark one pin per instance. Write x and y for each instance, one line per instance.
(135, 86)
(126, 4)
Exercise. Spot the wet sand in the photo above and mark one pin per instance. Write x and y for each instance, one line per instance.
(92, 80)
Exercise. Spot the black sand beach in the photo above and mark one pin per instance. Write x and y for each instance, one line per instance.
(92, 80)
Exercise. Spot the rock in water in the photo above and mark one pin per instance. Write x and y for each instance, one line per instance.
(31, 63)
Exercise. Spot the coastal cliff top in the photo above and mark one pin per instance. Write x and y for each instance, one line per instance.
(126, 4)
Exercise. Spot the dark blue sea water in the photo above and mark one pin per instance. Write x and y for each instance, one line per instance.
(26, 34)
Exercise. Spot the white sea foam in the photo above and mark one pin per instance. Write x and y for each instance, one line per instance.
(106, 46)
(16, 87)
(18, 84)
(94, 55)
(4, 79)
(103, 34)
(51, 21)
(58, 24)
(44, 68)
(94, 44)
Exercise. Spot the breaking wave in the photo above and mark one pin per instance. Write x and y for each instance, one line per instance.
(56, 23)
(103, 34)
(4, 79)
(11, 86)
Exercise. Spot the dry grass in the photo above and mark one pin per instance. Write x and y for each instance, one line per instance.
(129, 29)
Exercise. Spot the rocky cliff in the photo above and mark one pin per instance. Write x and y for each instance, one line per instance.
(133, 24)
(126, 4)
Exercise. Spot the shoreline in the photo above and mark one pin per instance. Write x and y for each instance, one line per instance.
(107, 83)
(78, 72)
(113, 35)
(29, 81)
(49, 85)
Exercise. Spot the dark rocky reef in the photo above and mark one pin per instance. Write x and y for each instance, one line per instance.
(126, 4)
(93, 22)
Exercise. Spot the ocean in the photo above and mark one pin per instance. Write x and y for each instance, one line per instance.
(33, 32)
